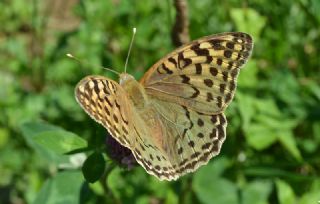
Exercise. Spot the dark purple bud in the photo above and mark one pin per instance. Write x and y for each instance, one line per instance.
(120, 154)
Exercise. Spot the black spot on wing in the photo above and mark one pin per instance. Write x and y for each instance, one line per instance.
(198, 68)
(199, 51)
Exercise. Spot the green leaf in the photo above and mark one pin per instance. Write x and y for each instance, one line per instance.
(250, 72)
(310, 197)
(4, 137)
(117, 183)
(214, 168)
(31, 129)
(276, 123)
(171, 197)
(309, 145)
(245, 103)
(268, 107)
(62, 188)
(217, 190)
(260, 137)
(316, 131)
(270, 126)
(288, 141)
(93, 168)
(257, 192)
(60, 141)
(285, 192)
(209, 186)
(248, 20)
(313, 195)
(158, 189)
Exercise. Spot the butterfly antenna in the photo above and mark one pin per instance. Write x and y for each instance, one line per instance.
(81, 62)
(125, 66)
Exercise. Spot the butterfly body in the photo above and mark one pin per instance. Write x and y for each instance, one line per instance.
(172, 119)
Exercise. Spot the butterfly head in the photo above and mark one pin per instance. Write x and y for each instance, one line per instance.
(124, 78)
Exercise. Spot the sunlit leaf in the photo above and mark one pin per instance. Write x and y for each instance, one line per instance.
(60, 141)
(31, 129)
(210, 186)
(285, 192)
(62, 188)
(257, 192)
(260, 137)
(248, 20)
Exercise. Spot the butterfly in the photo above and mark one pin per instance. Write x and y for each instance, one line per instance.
(173, 118)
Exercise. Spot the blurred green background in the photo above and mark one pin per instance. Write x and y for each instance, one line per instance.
(271, 154)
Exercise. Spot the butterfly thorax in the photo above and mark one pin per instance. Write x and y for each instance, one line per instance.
(134, 90)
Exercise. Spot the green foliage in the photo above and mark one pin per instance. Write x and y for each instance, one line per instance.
(210, 186)
(271, 154)
(32, 130)
(285, 192)
(61, 189)
(248, 20)
(52, 138)
(93, 168)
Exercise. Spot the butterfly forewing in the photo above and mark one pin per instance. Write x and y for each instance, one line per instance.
(107, 103)
(201, 75)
